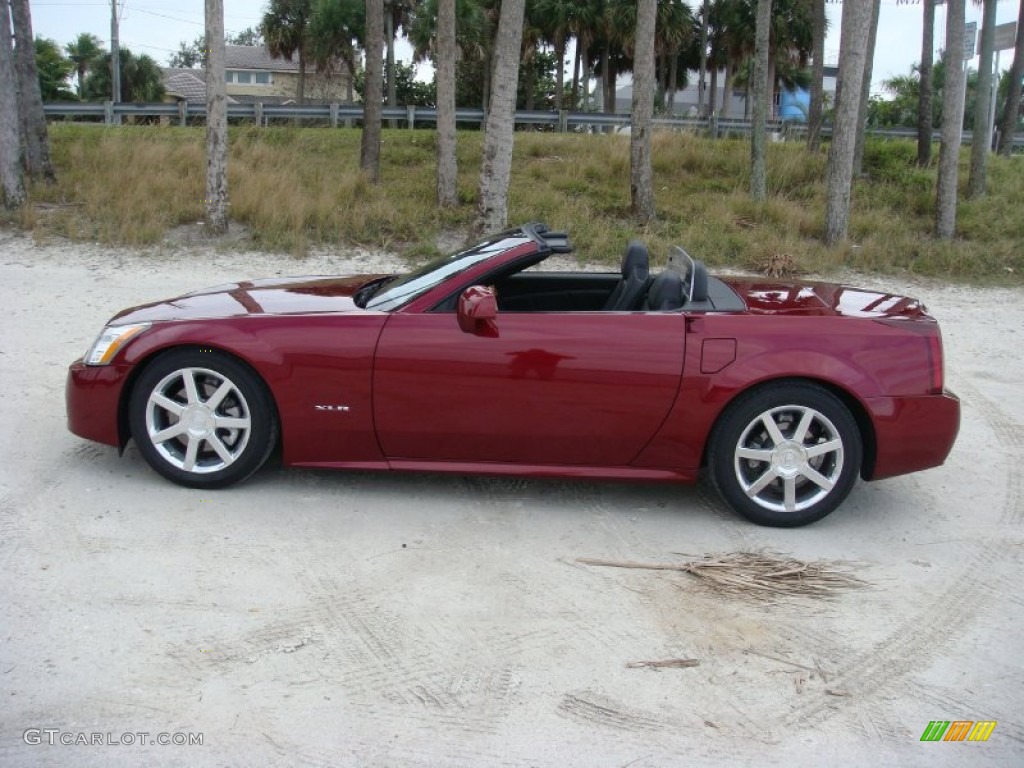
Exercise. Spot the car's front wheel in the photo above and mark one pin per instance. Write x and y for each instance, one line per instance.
(785, 454)
(202, 419)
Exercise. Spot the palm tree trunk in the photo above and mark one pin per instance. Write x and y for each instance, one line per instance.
(1008, 125)
(865, 93)
(560, 72)
(713, 92)
(390, 77)
(673, 81)
(577, 65)
(641, 186)
(216, 122)
(11, 171)
(606, 79)
(487, 81)
(852, 54)
(726, 91)
(703, 66)
(33, 120)
(530, 78)
(447, 163)
(952, 121)
(816, 110)
(499, 128)
(983, 106)
(373, 93)
(925, 118)
(758, 180)
(661, 76)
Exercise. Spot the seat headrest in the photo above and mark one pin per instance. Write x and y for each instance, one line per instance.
(635, 261)
(665, 293)
(699, 291)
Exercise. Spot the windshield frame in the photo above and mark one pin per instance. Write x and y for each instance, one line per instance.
(394, 294)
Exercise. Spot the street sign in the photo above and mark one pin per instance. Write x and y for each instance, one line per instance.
(970, 38)
(1006, 36)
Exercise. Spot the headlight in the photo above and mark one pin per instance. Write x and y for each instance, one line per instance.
(110, 341)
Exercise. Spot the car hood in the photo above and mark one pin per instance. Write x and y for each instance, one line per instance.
(272, 296)
(812, 298)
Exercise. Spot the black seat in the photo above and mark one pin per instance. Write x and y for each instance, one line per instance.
(665, 293)
(635, 271)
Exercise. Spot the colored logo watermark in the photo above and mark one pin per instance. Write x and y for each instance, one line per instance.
(958, 730)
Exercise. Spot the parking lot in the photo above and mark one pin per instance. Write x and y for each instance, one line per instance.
(330, 618)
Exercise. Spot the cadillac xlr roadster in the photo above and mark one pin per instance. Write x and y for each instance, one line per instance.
(783, 392)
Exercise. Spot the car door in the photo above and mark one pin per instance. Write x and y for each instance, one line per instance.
(563, 388)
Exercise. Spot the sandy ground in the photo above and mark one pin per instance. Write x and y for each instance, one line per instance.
(315, 618)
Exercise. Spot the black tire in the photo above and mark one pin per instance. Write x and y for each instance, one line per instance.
(790, 481)
(188, 440)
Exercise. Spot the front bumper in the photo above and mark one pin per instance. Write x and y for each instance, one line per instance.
(93, 396)
(912, 433)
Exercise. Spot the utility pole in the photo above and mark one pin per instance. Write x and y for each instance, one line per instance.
(115, 59)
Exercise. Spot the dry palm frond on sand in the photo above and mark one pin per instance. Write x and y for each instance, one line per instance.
(755, 573)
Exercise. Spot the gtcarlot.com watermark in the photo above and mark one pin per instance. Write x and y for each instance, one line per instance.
(57, 736)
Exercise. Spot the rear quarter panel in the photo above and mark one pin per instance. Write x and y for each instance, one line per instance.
(864, 358)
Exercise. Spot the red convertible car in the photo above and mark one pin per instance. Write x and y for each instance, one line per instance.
(784, 392)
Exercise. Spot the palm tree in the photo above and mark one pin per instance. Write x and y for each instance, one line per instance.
(758, 180)
(983, 108)
(819, 24)
(336, 29)
(641, 185)
(216, 122)
(84, 51)
(33, 120)
(396, 16)
(1011, 111)
(674, 30)
(447, 162)
(496, 168)
(141, 78)
(285, 27)
(852, 54)
(556, 22)
(924, 103)
(584, 26)
(865, 92)
(952, 121)
(11, 174)
(475, 32)
(373, 94)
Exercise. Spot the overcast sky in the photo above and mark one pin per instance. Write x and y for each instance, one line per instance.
(157, 26)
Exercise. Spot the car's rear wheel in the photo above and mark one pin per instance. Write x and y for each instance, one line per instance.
(202, 419)
(786, 454)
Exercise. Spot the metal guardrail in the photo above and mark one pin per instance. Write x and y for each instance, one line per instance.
(336, 114)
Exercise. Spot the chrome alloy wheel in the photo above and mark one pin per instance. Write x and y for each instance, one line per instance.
(198, 420)
(788, 458)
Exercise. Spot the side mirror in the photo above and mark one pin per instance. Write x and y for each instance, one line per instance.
(477, 311)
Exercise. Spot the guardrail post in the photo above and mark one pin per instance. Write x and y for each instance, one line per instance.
(183, 113)
(334, 115)
(258, 114)
(713, 125)
(563, 121)
(411, 110)
(108, 112)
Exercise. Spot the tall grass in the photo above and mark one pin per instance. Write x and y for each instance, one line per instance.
(295, 188)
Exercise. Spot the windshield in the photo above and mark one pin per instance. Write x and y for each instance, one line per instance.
(401, 290)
